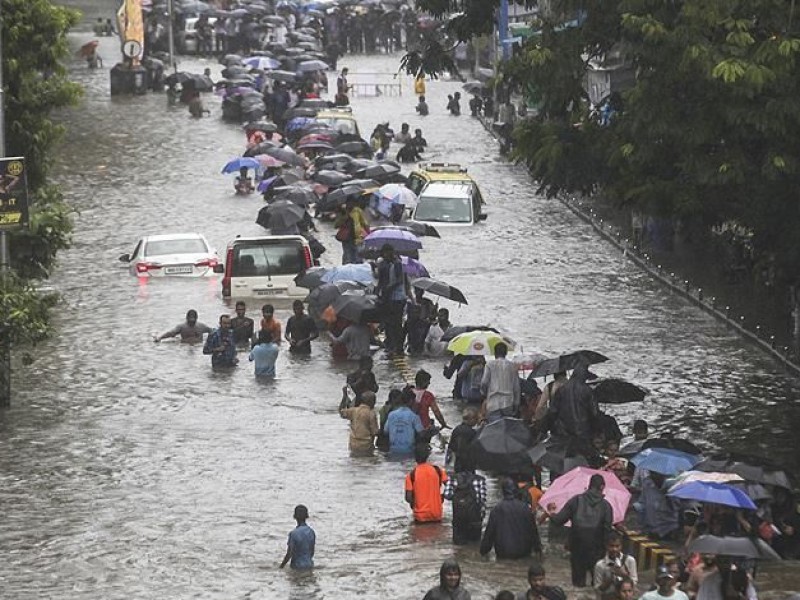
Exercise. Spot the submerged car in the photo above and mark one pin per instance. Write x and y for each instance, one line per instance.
(175, 254)
(456, 204)
(265, 266)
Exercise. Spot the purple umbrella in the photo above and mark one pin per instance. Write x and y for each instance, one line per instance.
(401, 241)
(413, 268)
(265, 184)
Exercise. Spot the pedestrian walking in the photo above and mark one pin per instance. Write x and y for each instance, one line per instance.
(302, 542)
(393, 290)
(449, 587)
(511, 528)
(190, 331)
(221, 345)
(300, 330)
(423, 486)
(467, 491)
(363, 421)
(500, 386)
(264, 354)
(537, 579)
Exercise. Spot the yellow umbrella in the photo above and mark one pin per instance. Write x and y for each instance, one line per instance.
(479, 343)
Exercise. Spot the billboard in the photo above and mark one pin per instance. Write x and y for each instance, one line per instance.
(13, 194)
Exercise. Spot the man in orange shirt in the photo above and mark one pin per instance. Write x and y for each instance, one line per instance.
(270, 323)
(424, 487)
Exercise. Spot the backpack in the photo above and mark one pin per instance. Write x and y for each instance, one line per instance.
(466, 508)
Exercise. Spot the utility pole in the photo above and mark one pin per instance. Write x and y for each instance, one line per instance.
(171, 37)
(4, 259)
(5, 263)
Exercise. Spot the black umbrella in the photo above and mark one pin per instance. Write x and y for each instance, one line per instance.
(273, 20)
(440, 288)
(310, 278)
(355, 147)
(308, 66)
(281, 75)
(502, 447)
(553, 455)
(281, 214)
(299, 111)
(315, 103)
(233, 70)
(231, 59)
(358, 164)
(567, 362)
(418, 229)
(335, 162)
(746, 547)
(378, 171)
(324, 295)
(350, 189)
(265, 126)
(356, 306)
(459, 329)
(261, 148)
(474, 87)
(286, 155)
(330, 178)
(752, 468)
(616, 391)
(296, 194)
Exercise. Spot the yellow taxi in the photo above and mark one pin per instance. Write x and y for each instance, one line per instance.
(447, 195)
(340, 118)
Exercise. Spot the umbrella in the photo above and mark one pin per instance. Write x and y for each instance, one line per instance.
(330, 178)
(233, 70)
(401, 241)
(550, 455)
(231, 59)
(361, 273)
(298, 123)
(745, 547)
(418, 229)
(268, 162)
(281, 214)
(502, 446)
(300, 111)
(312, 65)
(241, 162)
(324, 295)
(528, 360)
(567, 362)
(413, 268)
(317, 136)
(286, 178)
(310, 278)
(261, 147)
(671, 443)
(297, 194)
(713, 493)
(265, 126)
(478, 343)
(287, 155)
(689, 476)
(315, 103)
(440, 288)
(665, 460)
(354, 305)
(378, 171)
(755, 491)
(335, 162)
(576, 482)
(355, 147)
(454, 331)
(350, 188)
(616, 391)
(398, 194)
(88, 48)
(752, 468)
(262, 63)
(273, 20)
(281, 75)
(474, 87)
(315, 145)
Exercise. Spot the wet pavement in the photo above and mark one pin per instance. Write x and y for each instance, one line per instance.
(129, 469)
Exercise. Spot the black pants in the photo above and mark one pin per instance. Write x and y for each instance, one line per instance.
(393, 325)
(465, 533)
(583, 554)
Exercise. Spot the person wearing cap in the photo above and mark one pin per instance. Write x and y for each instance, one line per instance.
(592, 519)
(302, 540)
(539, 589)
(664, 587)
(511, 528)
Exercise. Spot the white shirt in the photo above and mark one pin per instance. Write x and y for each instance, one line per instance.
(433, 345)
(500, 385)
(654, 595)
(603, 574)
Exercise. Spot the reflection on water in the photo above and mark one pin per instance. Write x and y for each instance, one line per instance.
(129, 467)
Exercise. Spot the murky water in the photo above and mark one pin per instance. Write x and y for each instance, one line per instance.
(129, 470)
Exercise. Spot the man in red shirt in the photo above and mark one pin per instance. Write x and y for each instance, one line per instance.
(425, 401)
(424, 487)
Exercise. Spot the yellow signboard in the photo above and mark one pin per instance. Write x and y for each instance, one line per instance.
(13, 193)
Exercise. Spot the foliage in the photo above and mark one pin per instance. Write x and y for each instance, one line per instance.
(26, 310)
(35, 79)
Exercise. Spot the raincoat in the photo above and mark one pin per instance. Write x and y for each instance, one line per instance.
(440, 592)
(573, 408)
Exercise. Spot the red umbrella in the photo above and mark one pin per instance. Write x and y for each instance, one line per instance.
(88, 48)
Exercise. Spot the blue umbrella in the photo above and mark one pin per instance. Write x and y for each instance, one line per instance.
(298, 123)
(715, 493)
(264, 63)
(265, 184)
(665, 460)
(401, 241)
(361, 273)
(239, 163)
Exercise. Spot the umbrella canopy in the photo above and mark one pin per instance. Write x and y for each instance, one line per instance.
(355, 147)
(323, 296)
(457, 330)
(616, 391)
(355, 305)
(281, 214)
(379, 171)
(262, 63)
(286, 155)
(567, 362)
(361, 273)
(474, 87)
(689, 476)
(316, 145)
(751, 468)
(744, 547)
(576, 482)
(502, 446)
(312, 65)
(265, 126)
(528, 360)
(329, 177)
(440, 288)
(88, 48)
(713, 493)
(268, 162)
(281, 75)
(310, 278)
(413, 268)
(231, 59)
(478, 343)
(296, 194)
(261, 147)
(401, 241)
(241, 162)
(334, 162)
(418, 229)
(665, 460)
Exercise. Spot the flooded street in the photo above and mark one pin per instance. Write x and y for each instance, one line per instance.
(129, 469)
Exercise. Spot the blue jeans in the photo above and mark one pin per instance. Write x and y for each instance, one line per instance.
(350, 253)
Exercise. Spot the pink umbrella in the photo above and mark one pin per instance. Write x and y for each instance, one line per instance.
(576, 482)
(268, 161)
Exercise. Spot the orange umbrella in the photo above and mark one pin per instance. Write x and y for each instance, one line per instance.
(88, 48)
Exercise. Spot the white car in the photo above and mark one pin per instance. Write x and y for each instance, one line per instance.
(449, 203)
(265, 266)
(175, 254)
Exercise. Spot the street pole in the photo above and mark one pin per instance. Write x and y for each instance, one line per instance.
(171, 36)
(502, 25)
(5, 263)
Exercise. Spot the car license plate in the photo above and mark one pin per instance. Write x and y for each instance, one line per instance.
(268, 292)
(178, 270)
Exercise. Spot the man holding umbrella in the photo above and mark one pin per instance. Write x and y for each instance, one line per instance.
(500, 386)
(592, 517)
(393, 290)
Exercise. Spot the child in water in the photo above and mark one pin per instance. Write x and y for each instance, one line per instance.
(243, 184)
